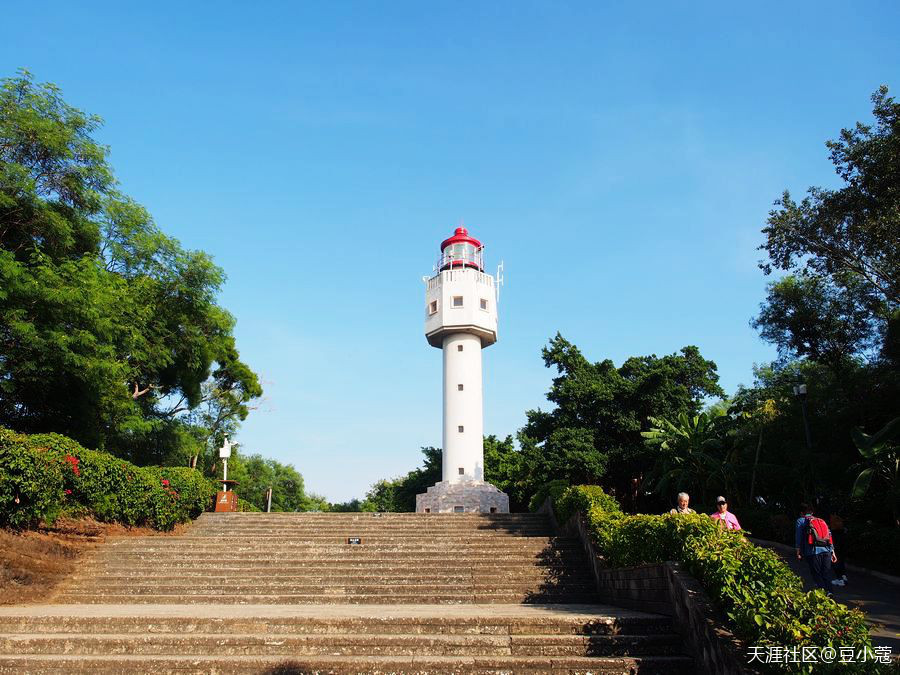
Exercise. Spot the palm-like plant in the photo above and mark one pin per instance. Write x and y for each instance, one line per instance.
(880, 452)
(690, 453)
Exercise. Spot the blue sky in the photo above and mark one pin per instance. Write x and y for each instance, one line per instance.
(619, 157)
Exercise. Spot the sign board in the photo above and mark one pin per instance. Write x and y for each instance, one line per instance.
(355, 541)
(226, 501)
(225, 450)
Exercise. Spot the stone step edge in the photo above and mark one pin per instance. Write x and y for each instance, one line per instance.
(366, 638)
(366, 662)
(173, 577)
(353, 599)
(511, 625)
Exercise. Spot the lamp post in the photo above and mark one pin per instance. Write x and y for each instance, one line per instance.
(226, 500)
(224, 454)
(800, 392)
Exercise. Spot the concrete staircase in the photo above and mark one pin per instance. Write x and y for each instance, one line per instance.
(287, 593)
(305, 558)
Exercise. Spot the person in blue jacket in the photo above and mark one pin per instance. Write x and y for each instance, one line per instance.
(819, 558)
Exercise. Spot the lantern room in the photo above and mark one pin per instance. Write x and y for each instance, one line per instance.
(460, 251)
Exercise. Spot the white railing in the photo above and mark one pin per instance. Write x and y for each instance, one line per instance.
(457, 275)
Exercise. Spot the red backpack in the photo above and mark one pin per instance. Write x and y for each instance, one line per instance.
(817, 532)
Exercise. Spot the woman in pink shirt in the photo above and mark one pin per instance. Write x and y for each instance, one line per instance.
(729, 520)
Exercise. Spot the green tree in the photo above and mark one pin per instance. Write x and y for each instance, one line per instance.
(503, 468)
(593, 433)
(844, 240)
(257, 474)
(109, 330)
(880, 453)
(382, 498)
(689, 455)
(834, 318)
(399, 494)
(808, 316)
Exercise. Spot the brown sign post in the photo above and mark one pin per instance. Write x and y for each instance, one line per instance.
(227, 500)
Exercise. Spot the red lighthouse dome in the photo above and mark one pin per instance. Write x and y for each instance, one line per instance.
(461, 250)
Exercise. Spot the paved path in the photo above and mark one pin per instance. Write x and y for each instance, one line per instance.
(879, 599)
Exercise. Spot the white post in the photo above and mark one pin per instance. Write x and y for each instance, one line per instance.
(224, 454)
(269, 500)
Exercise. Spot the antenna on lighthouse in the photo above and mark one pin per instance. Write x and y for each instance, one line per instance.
(499, 280)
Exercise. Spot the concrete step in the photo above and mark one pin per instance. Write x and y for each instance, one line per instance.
(394, 598)
(285, 593)
(237, 571)
(549, 620)
(410, 573)
(269, 644)
(343, 532)
(342, 551)
(331, 516)
(423, 543)
(338, 525)
(313, 587)
(343, 557)
(529, 575)
(419, 665)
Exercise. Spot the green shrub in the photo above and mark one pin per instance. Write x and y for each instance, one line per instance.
(109, 488)
(762, 598)
(195, 492)
(31, 483)
(553, 489)
(245, 506)
(583, 498)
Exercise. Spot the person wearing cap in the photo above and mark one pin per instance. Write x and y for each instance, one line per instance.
(728, 519)
(683, 500)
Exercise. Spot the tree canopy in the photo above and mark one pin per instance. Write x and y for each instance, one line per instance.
(593, 433)
(840, 249)
(109, 329)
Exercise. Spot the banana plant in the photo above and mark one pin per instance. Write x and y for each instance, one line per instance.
(690, 452)
(880, 452)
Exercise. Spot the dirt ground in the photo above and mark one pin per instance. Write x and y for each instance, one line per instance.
(33, 562)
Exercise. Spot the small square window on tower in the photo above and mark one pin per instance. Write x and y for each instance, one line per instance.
(432, 307)
(460, 427)
(459, 348)
(484, 304)
(459, 387)
(462, 471)
(457, 301)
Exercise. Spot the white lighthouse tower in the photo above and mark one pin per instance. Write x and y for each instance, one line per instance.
(461, 319)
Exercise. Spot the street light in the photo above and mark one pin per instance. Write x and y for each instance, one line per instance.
(800, 392)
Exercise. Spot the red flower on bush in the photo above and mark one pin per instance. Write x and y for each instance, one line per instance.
(165, 482)
(73, 462)
(68, 492)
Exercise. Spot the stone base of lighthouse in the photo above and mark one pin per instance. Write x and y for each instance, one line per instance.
(469, 496)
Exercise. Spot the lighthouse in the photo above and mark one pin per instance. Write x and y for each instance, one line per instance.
(461, 320)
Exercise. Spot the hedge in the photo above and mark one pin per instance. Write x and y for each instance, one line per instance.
(31, 483)
(552, 489)
(41, 475)
(763, 600)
